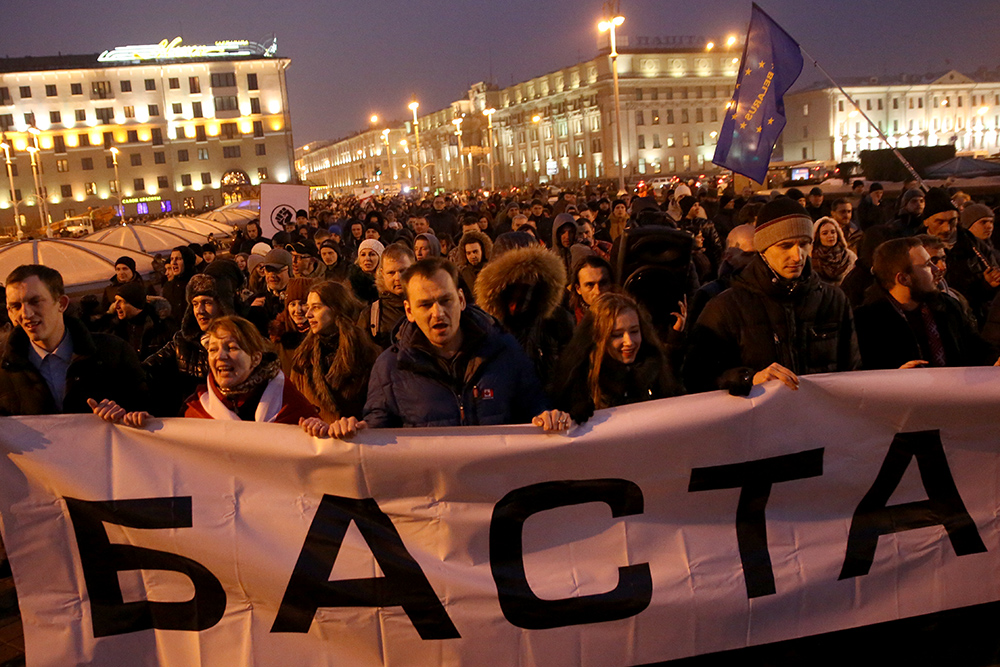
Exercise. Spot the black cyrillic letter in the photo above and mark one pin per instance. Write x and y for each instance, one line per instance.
(943, 506)
(517, 601)
(404, 584)
(102, 561)
(754, 479)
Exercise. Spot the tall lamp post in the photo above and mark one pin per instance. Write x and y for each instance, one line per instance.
(604, 26)
(489, 126)
(457, 122)
(413, 106)
(37, 167)
(118, 185)
(38, 191)
(388, 160)
(10, 175)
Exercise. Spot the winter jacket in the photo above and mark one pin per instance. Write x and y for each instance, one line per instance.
(968, 260)
(145, 333)
(175, 371)
(544, 327)
(887, 341)
(102, 367)
(805, 325)
(411, 386)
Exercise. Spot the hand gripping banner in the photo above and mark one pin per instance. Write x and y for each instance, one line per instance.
(852, 520)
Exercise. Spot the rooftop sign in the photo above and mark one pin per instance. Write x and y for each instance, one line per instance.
(173, 50)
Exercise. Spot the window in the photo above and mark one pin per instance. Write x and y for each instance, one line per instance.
(805, 131)
(255, 106)
(194, 84)
(202, 153)
(157, 136)
(206, 178)
(260, 149)
(895, 126)
(129, 112)
(656, 116)
(81, 115)
(196, 110)
(895, 103)
(62, 166)
(685, 139)
(671, 163)
(159, 157)
(224, 80)
(133, 136)
(805, 109)
(101, 90)
(66, 191)
(641, 142)
(25, 92)
(685, 118)
(113, 187)
(258, 128)
(87, 164)
(76, 88)
(713, 115)
(229, 131)
(50, 90)
(29, 118)
(920, 103)
(880, 104)
(959, 100)
(840, 105)
(90, 188)
(670, 141)
(638, 94)
(126, 86)
(670, 116)
(55, 117)
(595, 146)
(638, 118)
(642, 166)
(199, 133)
(654, 94)
(189, 203)
(699, 115)
(109, 139)
(669, 94)
(59, 143)
(686, 161)
(868, 105)
(226, 103)
(135, 159)
(656, 141)
(5, 95)
(161, 182)
(262, 173)
(251, 82)
(139, 184)
(701, 138)
(177, 108)
(182, 155)
(154, 109)
(173, 83)
(150, 84)
(209, 201)
(185, 179)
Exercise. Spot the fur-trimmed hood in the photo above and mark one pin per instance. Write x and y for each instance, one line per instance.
(484, 241)
(534, 266)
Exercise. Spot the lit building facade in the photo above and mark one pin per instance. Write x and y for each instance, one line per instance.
(931, 110)
(559, 127)
(192, 127)
(374, 160)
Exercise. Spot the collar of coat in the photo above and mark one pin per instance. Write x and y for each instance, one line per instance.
(15, 352)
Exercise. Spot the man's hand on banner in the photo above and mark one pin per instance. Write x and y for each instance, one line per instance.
(110, 411)
(777, 372)
(345, 427)
(916, 363)
(553, 420)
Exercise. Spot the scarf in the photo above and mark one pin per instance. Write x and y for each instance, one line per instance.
(830, 262)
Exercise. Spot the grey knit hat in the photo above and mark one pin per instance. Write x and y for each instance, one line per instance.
(780, 220)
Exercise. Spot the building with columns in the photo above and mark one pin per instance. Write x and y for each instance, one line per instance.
(924, 110)
(191, 126)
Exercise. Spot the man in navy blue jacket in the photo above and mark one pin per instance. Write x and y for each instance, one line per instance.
(451, 365)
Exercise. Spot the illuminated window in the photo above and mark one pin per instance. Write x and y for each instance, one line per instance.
(129, 112)
(142, 208)
(262, 173)
(126, 86)
(189, 203)
(685, 139)
(202, 153)
(166, 206)
(90, 188)
(62, 166)
(113, 187)
(209, 201)
(670, 141)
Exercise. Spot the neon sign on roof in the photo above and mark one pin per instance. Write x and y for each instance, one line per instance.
(174, 50)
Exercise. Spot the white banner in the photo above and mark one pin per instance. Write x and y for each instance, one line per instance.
(853, 520)
(279, 202)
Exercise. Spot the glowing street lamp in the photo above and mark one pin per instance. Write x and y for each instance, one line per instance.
(710, 46)
(603, 26)
(489, 126)
(730, 41)
(118, 184)
(413, 106)
(10, 175)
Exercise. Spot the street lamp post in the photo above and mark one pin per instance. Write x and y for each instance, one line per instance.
(489, 126)
(457, 122)
(37, 167)
(388, 160)
(10, 175)
(413, 106)
(611, 24)
(38, 191)
(118, 185)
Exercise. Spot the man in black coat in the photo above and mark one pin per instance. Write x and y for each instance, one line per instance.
(51, 364)
(778, 320)
(906, 322)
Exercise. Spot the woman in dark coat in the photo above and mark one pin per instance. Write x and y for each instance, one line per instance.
(614, 358)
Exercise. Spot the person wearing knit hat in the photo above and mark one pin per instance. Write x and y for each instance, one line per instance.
(137, 324)
(978, 219)
(778, 320)
(122, 263)
(366, 261)
(362, 273)
(940, 216)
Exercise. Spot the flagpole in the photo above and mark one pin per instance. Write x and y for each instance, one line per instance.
(875, 127)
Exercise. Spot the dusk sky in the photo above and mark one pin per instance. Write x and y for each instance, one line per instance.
(350, 60)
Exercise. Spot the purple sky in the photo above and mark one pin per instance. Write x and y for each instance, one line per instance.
(350, 60)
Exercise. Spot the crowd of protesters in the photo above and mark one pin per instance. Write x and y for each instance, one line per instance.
(464, 310)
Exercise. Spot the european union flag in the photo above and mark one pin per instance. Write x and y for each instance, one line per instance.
(756, 115)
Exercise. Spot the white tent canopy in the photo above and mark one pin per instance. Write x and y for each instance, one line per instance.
(86, 266)
(230, 217)
(146, 238)
(200, 225)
